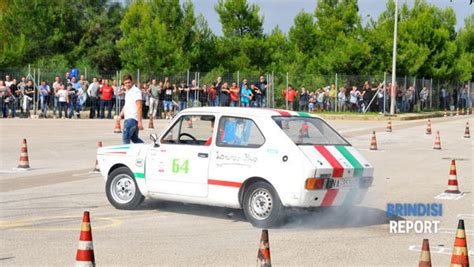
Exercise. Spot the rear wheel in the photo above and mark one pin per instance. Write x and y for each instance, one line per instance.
(262, 206)
(122, 189)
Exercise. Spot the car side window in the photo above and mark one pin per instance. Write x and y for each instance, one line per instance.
(239, 132)
(191, 130)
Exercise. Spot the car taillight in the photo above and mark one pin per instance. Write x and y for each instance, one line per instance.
(314, 183)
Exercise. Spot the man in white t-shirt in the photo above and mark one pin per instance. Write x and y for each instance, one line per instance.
(131, 112)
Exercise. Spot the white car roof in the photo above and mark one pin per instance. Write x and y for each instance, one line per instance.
(245, 111)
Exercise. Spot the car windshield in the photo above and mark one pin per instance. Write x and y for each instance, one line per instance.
(309, 131)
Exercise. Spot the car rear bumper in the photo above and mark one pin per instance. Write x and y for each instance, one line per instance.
(332, 197)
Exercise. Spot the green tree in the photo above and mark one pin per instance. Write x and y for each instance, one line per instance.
(97, 46)
(465, 42)
(146, 43)
(238, 18)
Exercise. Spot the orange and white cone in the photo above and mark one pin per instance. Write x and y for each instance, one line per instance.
(389, 125)
(263, 255)
(453, 180)
(437, 144)
(373, 142)
(85, 249)
(467, 133)
(96, 168)
(24, 161)
(460, 256)
(445, 113)
(118, 128)
(428, 127)
(425, 256)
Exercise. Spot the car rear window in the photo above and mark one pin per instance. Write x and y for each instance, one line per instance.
(309, 131)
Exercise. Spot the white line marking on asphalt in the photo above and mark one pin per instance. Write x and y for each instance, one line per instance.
(447, 196)
(466, 216)
(453, 231)
(437, 249)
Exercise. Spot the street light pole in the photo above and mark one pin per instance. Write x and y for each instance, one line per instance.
(394, 61)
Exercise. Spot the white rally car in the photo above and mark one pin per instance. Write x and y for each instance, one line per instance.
(260, 160)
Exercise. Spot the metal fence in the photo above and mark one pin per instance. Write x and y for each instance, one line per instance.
(442, 94)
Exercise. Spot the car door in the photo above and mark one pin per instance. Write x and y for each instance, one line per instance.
(179, 165)
(236, 154)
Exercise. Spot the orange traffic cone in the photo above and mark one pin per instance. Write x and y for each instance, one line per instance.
(389, 125)
(467, 134)
(460, 256)
(425, 257)
(373, 142)
(445, 113)
(437, 144)
(150, 123)
(85, 250)
(453, 180)
(96, 168)
(428, 127)
(263, 255)
(117, 129)
(24, 161)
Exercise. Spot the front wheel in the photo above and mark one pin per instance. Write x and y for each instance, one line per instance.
(122, 189)
(262, 206)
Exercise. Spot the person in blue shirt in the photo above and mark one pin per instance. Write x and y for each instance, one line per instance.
(245, 94)
(44, 98)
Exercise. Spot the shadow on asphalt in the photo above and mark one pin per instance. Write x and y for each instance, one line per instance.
(318, 218)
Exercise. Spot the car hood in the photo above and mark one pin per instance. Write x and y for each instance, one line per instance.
(337, 161)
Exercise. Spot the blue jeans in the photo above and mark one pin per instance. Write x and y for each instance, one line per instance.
(182, 105)
(243, 104)
(130, 132)
(107, 103)
(62, 107)
(234, 103)
(13, 105)
(44, 105)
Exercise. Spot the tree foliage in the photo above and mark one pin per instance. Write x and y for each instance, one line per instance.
(166, 36)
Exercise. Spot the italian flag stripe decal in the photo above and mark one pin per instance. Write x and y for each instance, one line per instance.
(329, 197)
(358, 169)
(338, 170)
(303, 114)
(139, 175)
(120, 147)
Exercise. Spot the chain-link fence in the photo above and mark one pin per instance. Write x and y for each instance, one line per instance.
(323, 93)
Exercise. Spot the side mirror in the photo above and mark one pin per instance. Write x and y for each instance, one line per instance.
(154, 138)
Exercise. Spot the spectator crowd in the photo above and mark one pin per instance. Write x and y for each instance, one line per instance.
(67, 96)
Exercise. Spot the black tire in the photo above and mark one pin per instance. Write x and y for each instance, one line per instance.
(262, 206)
(128, 197)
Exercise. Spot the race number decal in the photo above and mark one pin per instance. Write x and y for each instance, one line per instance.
(180, 166)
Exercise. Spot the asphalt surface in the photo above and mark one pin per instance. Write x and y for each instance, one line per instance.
(41, 209)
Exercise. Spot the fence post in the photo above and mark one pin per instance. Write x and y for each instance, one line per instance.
(431, 93)
(384, 91)
(286, 96)
(469, 103)
(138, 75)
(335, 97)
(273, 89)
(238, 85)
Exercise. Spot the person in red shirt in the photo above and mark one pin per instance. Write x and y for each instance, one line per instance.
(289, 95)
(234, 95)
(107, 93)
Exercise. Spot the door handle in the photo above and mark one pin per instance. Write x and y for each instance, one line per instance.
(203, 155)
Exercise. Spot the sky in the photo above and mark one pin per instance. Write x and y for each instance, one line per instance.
(282, 12)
